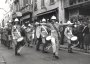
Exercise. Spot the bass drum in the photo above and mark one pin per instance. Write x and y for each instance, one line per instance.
(74, 41)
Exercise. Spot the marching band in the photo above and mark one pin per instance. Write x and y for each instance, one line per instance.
(46, 33)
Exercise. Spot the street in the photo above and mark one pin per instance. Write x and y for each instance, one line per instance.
(31, 56)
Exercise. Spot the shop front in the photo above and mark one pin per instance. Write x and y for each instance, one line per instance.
(26, 18)
(47, 15)
(78, 12)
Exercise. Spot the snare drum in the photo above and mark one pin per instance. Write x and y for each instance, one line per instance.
(48, 38)
(20, 39)
(74, 38)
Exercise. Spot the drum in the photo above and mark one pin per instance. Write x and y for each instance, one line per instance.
(74, 38)
(20, 39)
(75, 41)
(48, 38)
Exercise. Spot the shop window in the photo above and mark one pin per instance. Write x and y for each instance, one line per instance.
(42, 4)
(52, 2)
(86, 0)
(80, 0)
(35, 7)
(72, 2)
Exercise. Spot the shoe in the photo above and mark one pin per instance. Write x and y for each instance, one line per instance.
(55, 56)
(44, 51)
(31, 46)
(38, 49)
(17, 54)
(70, 52)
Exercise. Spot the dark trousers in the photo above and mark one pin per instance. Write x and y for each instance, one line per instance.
(69, 48)
(39, 41)
(45, 45)
(18, 45)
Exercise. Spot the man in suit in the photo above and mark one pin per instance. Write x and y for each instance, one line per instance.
(86, 36)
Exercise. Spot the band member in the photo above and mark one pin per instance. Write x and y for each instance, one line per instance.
(68, 34)
(54, 37)
(38, 35)
(44, 34)
(17, 38)
(9, 36)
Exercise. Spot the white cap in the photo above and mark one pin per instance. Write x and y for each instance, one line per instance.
(36, 22)
(29, 24)
(53, 17)
(10, 21)
(16, 20)
(43, 20)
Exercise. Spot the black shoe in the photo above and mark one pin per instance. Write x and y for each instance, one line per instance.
(38, 49)
(56, 57)
(70, 52)
(44, 51)
(17, 54)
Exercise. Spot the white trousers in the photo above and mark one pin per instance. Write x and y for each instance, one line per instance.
(55, 45)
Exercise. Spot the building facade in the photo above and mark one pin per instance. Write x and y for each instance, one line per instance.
(26, 10)
(22, 9)
(76, 10)
(47, 8)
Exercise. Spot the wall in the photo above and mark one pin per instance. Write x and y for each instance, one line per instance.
(58, 4)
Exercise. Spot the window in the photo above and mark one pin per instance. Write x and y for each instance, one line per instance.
(52, 2)
(80, 0)
(72, 2)
(42, 3)
(35, 5)
(25, 2)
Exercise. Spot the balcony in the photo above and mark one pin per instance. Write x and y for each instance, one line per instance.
(69, 3)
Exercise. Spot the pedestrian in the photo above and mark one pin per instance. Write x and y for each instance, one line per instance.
(68, 34)
(86, 35)
(80, 36)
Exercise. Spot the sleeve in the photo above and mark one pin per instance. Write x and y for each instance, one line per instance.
(65, 32)
(12, 33)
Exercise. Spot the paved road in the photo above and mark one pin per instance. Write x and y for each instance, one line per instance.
(31, 56)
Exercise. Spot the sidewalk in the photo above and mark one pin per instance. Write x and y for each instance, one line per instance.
(65, 46)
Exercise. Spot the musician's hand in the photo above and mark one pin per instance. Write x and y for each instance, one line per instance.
(83, 34)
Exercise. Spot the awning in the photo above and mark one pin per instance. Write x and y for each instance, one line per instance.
(47, 12)
(25, 17)
(82, 4)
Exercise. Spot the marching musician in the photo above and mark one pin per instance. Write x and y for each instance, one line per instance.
(54, 37)
(44, 34)
(69, 35)
(16, 33)
(38, 36)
